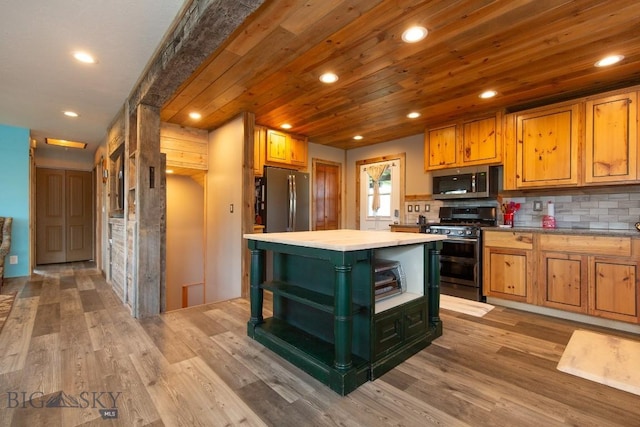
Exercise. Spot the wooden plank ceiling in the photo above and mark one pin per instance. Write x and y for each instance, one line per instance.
(530, 51)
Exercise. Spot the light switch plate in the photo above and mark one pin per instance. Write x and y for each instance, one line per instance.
(13, 259)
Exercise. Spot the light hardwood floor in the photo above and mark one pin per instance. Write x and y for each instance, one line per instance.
(196, 367)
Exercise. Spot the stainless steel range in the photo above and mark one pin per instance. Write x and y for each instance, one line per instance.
(461, 255)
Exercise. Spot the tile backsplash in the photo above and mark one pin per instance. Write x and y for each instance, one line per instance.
(613, 210)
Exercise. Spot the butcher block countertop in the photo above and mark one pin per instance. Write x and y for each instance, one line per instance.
(344, 240)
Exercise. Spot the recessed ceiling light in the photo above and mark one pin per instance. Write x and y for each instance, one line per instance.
(609, 60)
(488, 94)
(169, 171)
(84, 57)
(357, 137)
(329, 78)
(414, 34)
(64, 143)
(195, 116)
(286, 126)
(70, 114)
(413, 115)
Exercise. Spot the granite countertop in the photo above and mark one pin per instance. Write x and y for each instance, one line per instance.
(345, 240)
(576, 231)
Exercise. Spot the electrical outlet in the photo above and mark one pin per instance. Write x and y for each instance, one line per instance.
(13, 259)
(537, 205)
(427, 208)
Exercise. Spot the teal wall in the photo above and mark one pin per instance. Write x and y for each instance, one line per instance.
(14, 194)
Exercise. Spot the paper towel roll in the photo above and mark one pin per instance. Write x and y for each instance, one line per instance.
(550, 209)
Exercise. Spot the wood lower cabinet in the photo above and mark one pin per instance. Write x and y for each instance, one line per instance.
(508, 265)
(563, 281)
(613, 289)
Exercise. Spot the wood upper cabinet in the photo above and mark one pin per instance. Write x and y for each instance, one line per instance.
(482, 141)
(465, 143)
(611, 149)
(441, 148)
(507, 265)
(547, 147)
(277, 147)
(283, 149)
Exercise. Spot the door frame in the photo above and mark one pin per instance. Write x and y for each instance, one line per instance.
(400, 158)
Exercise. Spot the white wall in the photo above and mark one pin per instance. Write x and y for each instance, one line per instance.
(224, 242)
(185, 238)
(416, 179)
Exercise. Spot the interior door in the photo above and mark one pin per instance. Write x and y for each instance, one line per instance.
(326, 196)
(64, 231)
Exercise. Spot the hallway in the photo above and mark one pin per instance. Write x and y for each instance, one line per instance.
(71, 344)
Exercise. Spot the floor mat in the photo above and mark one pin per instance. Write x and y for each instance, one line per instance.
(461, 305)
(6, 303)
(605, 359)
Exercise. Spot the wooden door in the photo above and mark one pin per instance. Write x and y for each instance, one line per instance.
(547, 148)
(441, 148)
(611, 139)
(64, 222)
(327, 198)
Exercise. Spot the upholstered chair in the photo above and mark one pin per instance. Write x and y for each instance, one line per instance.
(5, 242)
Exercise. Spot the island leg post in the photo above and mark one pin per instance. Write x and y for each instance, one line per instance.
(343, 317)
(434, 283)
(256, 293)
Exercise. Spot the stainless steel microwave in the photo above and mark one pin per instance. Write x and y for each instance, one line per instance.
(475, 182)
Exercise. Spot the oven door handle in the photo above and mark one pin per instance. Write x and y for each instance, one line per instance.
(456, 240)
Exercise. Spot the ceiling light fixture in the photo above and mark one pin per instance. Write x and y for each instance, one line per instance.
(169, 171)
(488, 94)
(70, 113)
(66, 144)
(84, 57)
(195, 116)
(286, 126)
(329, 78)
(358, 137)
(609, 60)
(413, 115)
(414, 34)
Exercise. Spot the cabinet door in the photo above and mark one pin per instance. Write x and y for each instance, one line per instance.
(547, 147)
(613, 291)
(440, 148)
(277, 146)
(298, 147)
(611, 153)
(387, 331)
(415, 320)
(482, 141)
(564, 281)
(506, 273)
(259, 149)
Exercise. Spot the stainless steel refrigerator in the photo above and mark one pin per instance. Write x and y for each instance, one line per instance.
(285, 200)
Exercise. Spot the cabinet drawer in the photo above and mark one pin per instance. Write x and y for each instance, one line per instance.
(607, 246)
(508, 239)
(388, 331)
(415, 321)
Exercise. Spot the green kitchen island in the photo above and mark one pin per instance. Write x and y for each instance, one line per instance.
(326, 317)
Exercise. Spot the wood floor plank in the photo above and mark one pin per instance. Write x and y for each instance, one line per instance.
(196, 366)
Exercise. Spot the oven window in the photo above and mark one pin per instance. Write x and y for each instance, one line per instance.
(464, 249)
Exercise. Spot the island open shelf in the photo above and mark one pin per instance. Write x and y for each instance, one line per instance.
(326, 319)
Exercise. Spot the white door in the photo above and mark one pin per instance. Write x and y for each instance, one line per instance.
(389, 202)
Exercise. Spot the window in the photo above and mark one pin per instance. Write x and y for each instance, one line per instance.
(385, 189)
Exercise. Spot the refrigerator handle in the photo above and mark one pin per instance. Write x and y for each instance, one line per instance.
(290, 200)
(295, 204)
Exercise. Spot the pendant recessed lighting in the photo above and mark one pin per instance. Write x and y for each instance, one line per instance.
(329, 78)
(195, 116)
(488, 94)
(71, 114)
(609, 60)
(84, 57)
(414, 34)
(358, 137)
(286, 126)
(413, 115)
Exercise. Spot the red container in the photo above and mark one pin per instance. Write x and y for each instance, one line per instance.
(508, 218)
